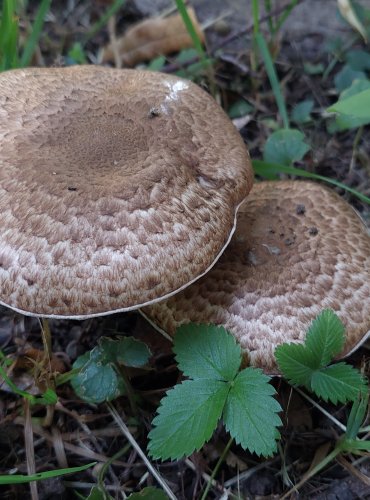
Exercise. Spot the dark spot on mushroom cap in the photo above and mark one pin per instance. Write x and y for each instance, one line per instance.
(313, 231)
(300, 209)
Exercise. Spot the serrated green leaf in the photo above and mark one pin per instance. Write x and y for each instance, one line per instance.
(325, 337)
(149, 493)
(207, 351)
(296, 363)
(250, 413)
(186, 418)
(95, 382)
(285, 146)
(337, 383)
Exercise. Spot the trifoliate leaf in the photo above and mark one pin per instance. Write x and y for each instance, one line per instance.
(296, 363)
(187, 417)
(338, 383)
(325, 337)
(206, 351)
(250, 413)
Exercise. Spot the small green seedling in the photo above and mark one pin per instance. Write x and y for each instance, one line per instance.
(100, 377)
(189, 413)
(309, 365)
(49, 397)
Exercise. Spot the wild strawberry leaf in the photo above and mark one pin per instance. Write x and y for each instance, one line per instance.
(325, 337)
(207, 351)
(186, 418)
(296, 363)
(338, 383)
(250, 413)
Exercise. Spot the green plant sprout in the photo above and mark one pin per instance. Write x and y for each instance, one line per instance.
(190, 412)
(309, 365)
(49, 397)
(210, 357)
(349, 442)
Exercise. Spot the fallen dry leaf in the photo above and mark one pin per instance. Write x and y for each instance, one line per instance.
(152, 38)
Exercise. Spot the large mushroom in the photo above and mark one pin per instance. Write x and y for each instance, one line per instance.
(298, 248)
(118, 188)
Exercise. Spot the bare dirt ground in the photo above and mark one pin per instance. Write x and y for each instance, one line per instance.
(81, 432)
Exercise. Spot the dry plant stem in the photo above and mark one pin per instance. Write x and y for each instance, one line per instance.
(46, 340)
(248, 473)
(131, 439)
(29, 447)
(312, 473)
(326, 413)
(46, 336)
(205, 476)
(113, 41)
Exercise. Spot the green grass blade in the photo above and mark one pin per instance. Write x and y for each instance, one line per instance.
(271, 72)
(20, 478)
(265, 169)
(32, 40)
(191, 30)
(256, 17)
(8, 36)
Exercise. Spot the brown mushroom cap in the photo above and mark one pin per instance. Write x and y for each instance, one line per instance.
(117, 188)
(298, 248)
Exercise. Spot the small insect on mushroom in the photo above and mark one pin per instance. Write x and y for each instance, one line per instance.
(266, 291)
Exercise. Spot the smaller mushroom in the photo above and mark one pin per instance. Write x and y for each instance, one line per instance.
(298, 248)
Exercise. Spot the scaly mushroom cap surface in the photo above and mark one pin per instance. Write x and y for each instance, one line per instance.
(117, 188)
(298, 248)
